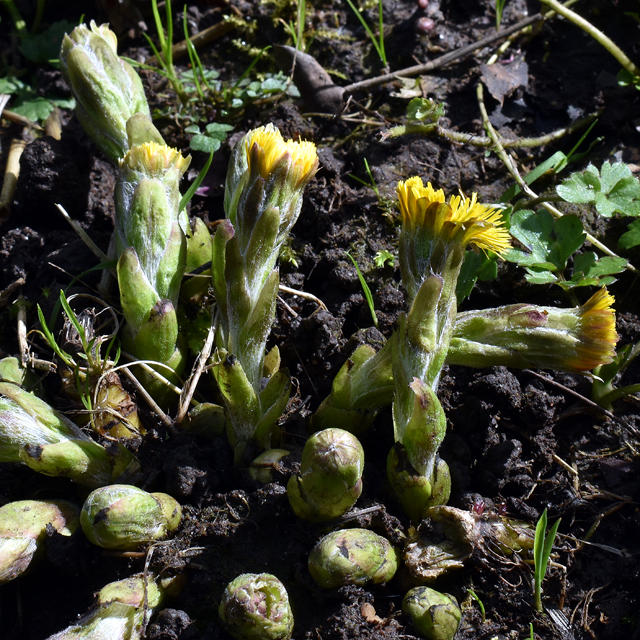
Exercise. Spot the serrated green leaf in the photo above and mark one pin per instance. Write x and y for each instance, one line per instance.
(35, 109)
(632, 237)
(204, 143)
(614, 190)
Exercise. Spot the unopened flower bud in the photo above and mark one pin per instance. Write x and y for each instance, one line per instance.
(23, 527)
(434, 615)
(330, 479)
(352, 556)
(107, 89)
(124, 517)
(256, 607)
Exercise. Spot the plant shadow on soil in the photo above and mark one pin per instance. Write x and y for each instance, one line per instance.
(508, 430)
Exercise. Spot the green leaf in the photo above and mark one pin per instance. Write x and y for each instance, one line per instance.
(423, 109)
(204, 143)
(540, 277)
(35, 109)
(193, 129)
(590, 266)
(218, 131)
(46, 45)
(550, 242)
(553, 164)
(614, 190)
(632, 237)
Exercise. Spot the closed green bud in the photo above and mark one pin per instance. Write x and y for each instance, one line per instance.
(434, 615)
(352, 556)
(124, 517)
(147, 219)
(107, 89)
(23, 527)
(330, 479)
(256, 607)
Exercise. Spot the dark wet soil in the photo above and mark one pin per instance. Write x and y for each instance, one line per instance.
(517, 443)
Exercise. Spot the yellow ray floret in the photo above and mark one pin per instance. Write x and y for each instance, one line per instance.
(304, 157)
(154, 159)
(596, 332)
(462, 220)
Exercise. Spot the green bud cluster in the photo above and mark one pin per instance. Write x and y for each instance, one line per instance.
(256, 607)
(124, 517)
(23, 528)
(330, 479)
(352, 556)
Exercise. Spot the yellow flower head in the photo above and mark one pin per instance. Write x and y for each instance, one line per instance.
(272, 147)
(596, 332)
(461, 220)
(154, 159)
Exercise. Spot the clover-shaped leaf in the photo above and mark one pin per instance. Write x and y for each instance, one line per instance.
(589, 271)
(612, 190)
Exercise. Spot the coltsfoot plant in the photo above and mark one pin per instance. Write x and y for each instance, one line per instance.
(263, 197)
(434, 236)
(256, 607)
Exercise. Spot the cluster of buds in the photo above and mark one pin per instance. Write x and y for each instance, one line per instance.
(151, 236)
(256, 607)
(151, 245)
(330, 479)
(352, 556)
(24, 526)
(35, 434)
(405, 372)
(124, 517)
(122, 609)
(263, 197)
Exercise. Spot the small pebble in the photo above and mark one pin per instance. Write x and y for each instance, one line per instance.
(422, 4)
(424, 25)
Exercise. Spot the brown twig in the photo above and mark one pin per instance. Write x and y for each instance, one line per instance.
(442, 60)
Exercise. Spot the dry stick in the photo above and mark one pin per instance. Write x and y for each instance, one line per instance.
(190, 386)
(200, 39)
(442, 60)
(11, 174)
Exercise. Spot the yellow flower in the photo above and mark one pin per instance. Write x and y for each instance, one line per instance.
(461, 220)
(596, 332)
(154, 159)
(271, 147)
